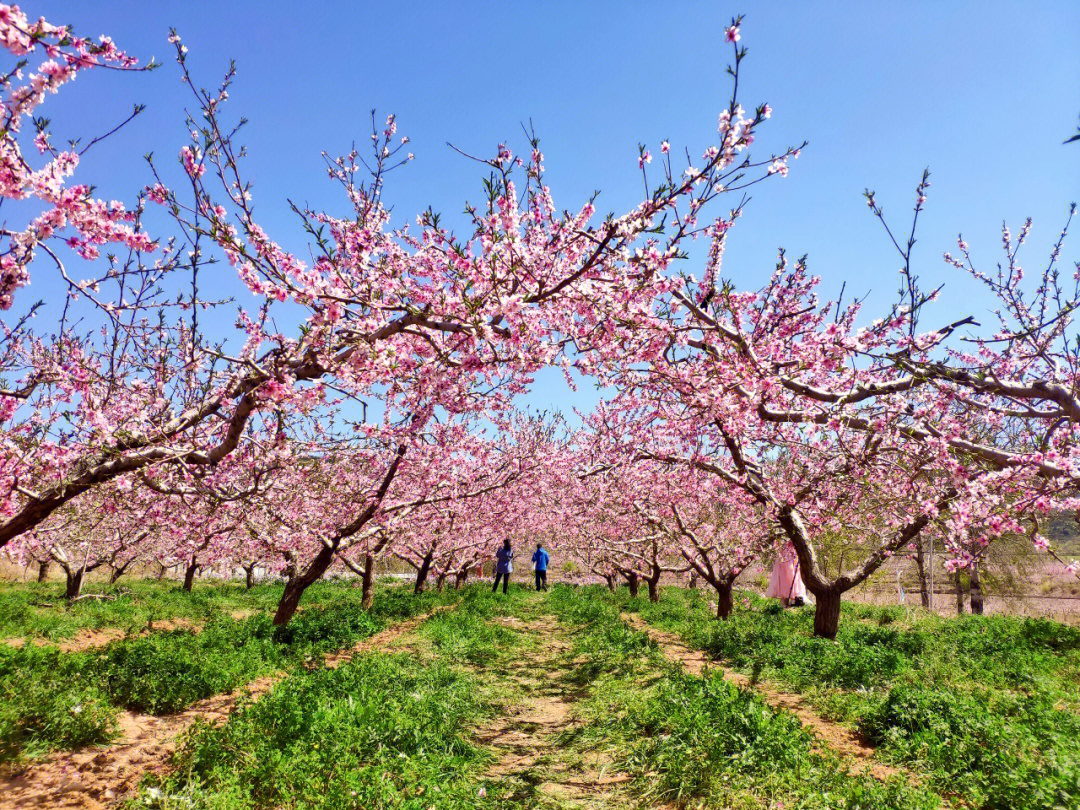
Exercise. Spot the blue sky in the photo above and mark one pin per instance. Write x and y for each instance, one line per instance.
(983, 93)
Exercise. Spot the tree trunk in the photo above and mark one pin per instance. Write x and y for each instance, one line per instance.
(422, 573)
(249, 576)
(367, 583)
(189, 575)
(440, 581)
(632, 583)
(161, 572)
(460, 577)
(74, 583)
(959, 593)
(43, 570)
(920, 565)
(117, 572)
(693, 580)
(654, 589)
(827, 614)
(725, 600)
(610, 580)
(975, 588)
(296, 586)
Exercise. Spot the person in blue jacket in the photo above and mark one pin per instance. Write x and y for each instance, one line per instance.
(503, 566)
(540, 564)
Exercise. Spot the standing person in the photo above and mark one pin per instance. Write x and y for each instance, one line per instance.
(540, 564)
(503, 566)
(786, 583)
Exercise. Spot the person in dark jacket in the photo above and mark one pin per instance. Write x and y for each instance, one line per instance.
(540, 565)
(503, 566)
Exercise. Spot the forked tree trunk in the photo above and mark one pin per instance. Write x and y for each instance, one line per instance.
(976, 591)
(295, 587)
(422, 573)
(116, 573)
(189, 575)
(249, 576)
(959, 593)
(610, 580)
(632, 583)
(725, 600)
(161, 571)
(460, 577)
(827, 613)
(43, 570)
(440, 581)
(367, 583)
(74, 582)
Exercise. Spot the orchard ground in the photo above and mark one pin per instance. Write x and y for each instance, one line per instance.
(578, 697)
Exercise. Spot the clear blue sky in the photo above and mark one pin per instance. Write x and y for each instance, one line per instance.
(983, 93)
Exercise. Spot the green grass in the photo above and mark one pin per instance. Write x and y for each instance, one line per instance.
(703, 742)
(386, 730)
(39, 611)
(52, 700)
(984, 706)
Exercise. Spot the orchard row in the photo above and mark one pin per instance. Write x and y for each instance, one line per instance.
(363, 407)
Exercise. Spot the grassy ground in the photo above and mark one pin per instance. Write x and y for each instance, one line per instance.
(535, 701)
(988, 708)
(39, 611)
(553, 701)
(52, 700)
(387, 729)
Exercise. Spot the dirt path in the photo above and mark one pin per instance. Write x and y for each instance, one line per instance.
(529, 740)
(99, 778)
(833, 736)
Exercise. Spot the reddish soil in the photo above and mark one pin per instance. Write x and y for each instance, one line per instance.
(100, 778)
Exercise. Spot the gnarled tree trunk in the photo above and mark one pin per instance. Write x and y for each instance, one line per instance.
(189, 575)
(920, 567)
(976, 590)
(460, 578)
(654, 589)
(725, 600)
(367, 583)
(74, 582)
(422, 573)
(827, 613)
(295, 586)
